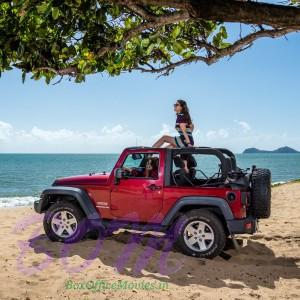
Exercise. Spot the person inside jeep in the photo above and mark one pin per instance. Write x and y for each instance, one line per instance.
(150, 170)
(185, 171)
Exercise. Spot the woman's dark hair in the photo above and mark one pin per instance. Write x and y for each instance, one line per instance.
(154, 162)
(185, 110)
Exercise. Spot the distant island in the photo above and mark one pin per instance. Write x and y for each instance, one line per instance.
(279, 150)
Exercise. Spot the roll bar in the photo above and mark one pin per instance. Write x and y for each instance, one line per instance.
(225, 167)
(231, 156)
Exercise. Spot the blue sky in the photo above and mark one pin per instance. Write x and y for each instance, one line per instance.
(250, 100)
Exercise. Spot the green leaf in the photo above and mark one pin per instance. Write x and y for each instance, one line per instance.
(20, 50)
(42, 8)
(145, 43)
(128, 23)
(150, 49)
(177, 47)
(154, 36)
(47, 79)
(118, 58)
(115, 10)
(187, 54)
(79, 78)
(55, 13)
(23, 76)
(216, 40)
(176, 31)
(223, 32)
(55, 49)
(225, 45)
(81, 65)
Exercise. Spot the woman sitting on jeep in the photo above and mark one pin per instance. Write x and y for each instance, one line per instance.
(184, 127)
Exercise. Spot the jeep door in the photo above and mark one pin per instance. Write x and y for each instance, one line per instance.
(137, 197)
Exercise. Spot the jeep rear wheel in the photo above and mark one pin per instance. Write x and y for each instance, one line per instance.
(200, 233)
(64, 222)
(261, 193)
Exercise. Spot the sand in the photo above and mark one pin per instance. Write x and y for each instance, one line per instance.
(266, 267)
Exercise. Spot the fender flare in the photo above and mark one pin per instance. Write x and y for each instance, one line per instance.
(201, 202)
(80, 196)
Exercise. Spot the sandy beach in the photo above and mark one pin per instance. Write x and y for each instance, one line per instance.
(266, 267)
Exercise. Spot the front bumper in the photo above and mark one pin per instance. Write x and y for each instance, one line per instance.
(247, 225)
(37, 206)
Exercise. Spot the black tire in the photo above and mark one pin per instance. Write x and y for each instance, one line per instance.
(93, 235)
(213, 224)
(261, 193)
(71, 210)
(101, 232)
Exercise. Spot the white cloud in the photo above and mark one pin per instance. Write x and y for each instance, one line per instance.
(215, 134)
(242, 136)
(115, 138)
(244, 125)
(118, 129)
(108, 139)
(5, 130)
(51, 135)
(165, 130)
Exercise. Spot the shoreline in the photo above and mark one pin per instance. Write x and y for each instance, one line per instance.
(275, 184)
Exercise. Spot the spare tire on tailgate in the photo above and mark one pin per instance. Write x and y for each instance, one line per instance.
(261, 193)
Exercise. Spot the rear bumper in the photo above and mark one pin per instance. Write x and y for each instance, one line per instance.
(247, 225)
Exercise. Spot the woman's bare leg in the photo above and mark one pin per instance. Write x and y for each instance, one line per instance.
(169, 146)
(186, 166)
(164, 139)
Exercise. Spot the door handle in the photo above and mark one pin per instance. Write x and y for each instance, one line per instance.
(154, 187)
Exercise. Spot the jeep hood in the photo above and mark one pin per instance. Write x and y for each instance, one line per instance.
(89, 179)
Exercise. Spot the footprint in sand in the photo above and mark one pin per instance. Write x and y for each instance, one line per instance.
(195, 296)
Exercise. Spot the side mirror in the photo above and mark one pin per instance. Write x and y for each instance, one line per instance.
(118, 175)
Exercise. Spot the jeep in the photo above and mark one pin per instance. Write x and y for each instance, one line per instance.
(199, 196)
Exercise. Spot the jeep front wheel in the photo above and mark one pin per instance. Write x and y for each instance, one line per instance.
(200, 233)
(64, 222)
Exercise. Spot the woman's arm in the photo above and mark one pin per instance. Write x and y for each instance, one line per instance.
(147, 173)
(192, 127)
(183, 128)
(127, 169)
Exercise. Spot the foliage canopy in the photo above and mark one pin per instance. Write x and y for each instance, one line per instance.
(79, 37)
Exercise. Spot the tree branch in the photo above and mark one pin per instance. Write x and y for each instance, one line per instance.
(239, 46)
(71, 71)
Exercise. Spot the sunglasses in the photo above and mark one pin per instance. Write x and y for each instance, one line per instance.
(176, 104)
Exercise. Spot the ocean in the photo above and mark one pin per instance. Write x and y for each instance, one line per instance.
(24, 176)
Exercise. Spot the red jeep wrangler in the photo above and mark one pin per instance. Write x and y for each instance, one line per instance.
(164, 190)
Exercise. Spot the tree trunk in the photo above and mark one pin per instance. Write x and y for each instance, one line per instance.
(234, 11)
